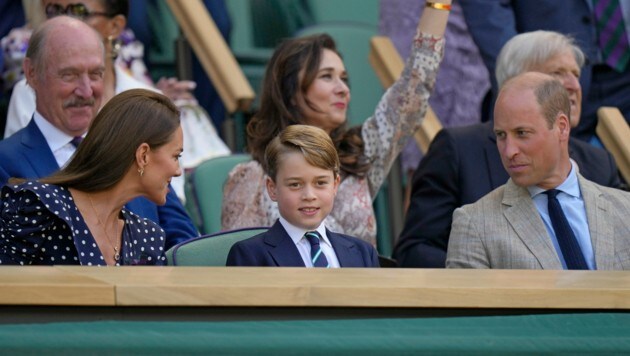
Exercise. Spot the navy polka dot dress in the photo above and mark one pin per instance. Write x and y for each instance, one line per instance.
(41, 225)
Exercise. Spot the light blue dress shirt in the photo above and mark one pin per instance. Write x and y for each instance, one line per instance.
(570, 198)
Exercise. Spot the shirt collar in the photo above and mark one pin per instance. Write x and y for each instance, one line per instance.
(570, 185)
(297, 233)
(55, 137)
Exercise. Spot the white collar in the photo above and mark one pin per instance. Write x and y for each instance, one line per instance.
(297, 233)
(54, 137)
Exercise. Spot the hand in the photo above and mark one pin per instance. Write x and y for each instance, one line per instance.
(177, 89)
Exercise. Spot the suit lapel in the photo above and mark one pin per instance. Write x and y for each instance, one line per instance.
(37, 152)
(281, 247)
(602, 235)
(524, 218)
(345, 250)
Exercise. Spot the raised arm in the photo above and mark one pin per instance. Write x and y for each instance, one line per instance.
(404, 105)
(434, 17)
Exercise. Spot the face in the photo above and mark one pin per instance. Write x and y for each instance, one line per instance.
(531, 153)
(91, 12)
(328, 95)
(68, 92)
(305, 194)
(162, 165)
(564, 68)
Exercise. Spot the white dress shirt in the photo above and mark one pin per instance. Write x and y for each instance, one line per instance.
(58, 141)
(304, 247)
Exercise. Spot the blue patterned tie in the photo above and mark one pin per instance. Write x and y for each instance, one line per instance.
(566, 238)
(317, 256)
(76, 141)
(611, 33)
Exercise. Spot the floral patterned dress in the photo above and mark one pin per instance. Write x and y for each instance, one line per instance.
(398, 115)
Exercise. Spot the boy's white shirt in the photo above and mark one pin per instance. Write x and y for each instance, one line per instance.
(304, 247)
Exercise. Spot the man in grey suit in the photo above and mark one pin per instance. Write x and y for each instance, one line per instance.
(512, 227)
(463, 163)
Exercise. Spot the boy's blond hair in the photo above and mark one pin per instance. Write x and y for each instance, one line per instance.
(314, 143)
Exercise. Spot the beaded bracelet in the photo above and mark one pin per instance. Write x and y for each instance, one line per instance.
(438, 6)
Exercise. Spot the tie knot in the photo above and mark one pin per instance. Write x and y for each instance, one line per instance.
(312, 237)
(552, 193)
(76, 141)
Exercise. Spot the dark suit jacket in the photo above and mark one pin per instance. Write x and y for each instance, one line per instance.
(274, 248)
(26, 154)
(493, 22)
(461, 166)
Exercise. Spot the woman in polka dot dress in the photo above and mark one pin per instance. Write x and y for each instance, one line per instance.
(76, 216)
(306, 83)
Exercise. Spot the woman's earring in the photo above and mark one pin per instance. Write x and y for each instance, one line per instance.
(115, 44)
(141, 171)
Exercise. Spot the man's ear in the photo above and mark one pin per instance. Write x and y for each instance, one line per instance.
(29, 72)
(271, 188)
(564, 126)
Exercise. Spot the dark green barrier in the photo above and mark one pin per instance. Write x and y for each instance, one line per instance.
(590, 333)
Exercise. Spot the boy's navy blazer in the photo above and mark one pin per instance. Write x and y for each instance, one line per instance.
(26, 154)
(275, 248)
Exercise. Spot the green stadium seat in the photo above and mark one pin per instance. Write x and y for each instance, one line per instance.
(209, 250)
(204, 190)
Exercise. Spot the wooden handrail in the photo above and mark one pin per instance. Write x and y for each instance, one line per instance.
(614, 132)
(369, 288)
(213, 53)
(388, 66)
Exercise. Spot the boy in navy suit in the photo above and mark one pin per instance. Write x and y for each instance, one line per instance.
(302, 170)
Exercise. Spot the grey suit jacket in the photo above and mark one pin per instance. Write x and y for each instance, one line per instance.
(504, 230)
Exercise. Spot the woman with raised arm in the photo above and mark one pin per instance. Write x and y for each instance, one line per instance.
(306, 83)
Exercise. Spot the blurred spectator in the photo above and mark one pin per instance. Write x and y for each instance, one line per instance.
(201, 139)
(493, 23)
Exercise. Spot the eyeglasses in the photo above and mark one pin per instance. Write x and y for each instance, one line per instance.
(76, 10)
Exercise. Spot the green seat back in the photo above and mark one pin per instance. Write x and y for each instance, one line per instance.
(165, 31)
(363, 11)
(209, 250)
(206, 189)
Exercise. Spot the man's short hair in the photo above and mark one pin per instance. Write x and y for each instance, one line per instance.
(36, 50)
(527, 50)
(550, 94)
(553, 99)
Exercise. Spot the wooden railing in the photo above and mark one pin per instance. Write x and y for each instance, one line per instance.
(388, 66)
(213, 53)
(263, 287)
(614, 132)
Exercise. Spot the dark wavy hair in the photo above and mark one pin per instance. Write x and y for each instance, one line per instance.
(108, 151)
(278, 108)
(116, 7)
